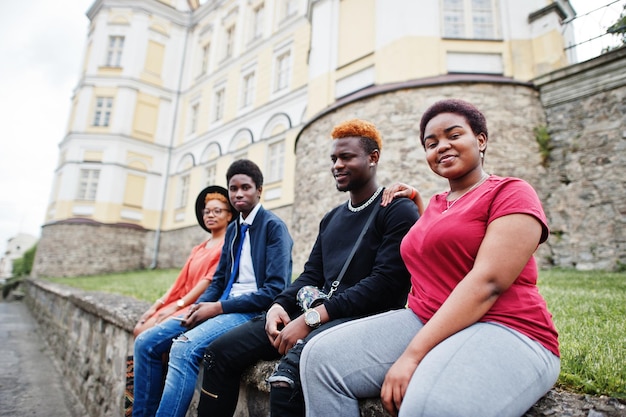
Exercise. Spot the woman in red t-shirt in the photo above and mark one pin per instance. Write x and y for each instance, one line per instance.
(477, 338)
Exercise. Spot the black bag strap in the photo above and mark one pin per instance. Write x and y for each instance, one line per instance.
(336, 282)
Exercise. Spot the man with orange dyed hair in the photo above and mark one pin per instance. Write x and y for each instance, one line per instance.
(375, 281)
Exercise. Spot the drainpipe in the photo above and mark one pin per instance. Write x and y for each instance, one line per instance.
(157, 236)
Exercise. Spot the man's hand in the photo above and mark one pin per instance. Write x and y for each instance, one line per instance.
(296, 330)
(201, 312)
(276, 319)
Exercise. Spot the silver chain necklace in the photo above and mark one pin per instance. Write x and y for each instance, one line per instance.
(364, 205)
(449, 204)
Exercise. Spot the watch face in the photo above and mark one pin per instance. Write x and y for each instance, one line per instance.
(312, 318)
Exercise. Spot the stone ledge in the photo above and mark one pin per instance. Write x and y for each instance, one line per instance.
(91, 335)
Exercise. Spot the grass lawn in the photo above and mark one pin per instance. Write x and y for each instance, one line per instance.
(589, 310)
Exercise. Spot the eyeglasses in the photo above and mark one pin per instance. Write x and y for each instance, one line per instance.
(215, 211)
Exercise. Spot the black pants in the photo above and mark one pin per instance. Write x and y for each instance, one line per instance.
(227, 358)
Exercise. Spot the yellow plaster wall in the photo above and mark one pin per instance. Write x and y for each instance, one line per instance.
(110, 71)
(92, 156)
(521, 59)
(300, 73)
(153, 65)
(549, 52)
(408, 58)
(356, 30)
(146, 117)
(134, 190)
(320, 94)
(264, 76)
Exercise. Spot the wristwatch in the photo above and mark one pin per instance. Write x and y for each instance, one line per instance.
(180, 303)
(312, 318)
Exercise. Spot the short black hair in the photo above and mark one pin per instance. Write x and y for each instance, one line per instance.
(245, 167)
(474, 117)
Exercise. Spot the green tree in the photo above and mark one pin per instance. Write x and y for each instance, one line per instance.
(619, 27)
(22, 266)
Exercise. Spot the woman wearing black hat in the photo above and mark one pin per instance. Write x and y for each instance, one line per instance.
(214, 212)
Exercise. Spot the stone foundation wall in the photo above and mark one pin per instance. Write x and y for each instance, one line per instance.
(512, 109)
(90, 334)
(584, 186)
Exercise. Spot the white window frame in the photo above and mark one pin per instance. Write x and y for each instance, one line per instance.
(219, 103)
(275, 170)
(194, 115)
(282, 71)
(258, 15)
(115, 48)
(183, 190)
(460, 20)
(204, 65)
(210, 173)
(248, 89)
(88, 184)
(229, 41)
(102, 111)
(290, 8)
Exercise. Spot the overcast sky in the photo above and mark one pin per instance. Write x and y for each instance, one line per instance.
(41, 45)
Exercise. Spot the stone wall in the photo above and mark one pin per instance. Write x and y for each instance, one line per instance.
(82, 247)
(512, 109)
(90, 334)
(584, 186)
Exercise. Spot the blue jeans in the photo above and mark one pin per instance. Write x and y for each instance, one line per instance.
(186, 351)
(483, 370)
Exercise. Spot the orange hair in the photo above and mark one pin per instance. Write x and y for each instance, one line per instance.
(218, 197)
(357, 127)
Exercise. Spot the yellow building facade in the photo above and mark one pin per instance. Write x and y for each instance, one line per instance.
(171, 92)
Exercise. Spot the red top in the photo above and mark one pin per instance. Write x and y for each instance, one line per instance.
(201, 264)
(441, 247)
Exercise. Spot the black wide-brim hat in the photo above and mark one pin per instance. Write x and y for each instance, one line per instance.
(200, 203)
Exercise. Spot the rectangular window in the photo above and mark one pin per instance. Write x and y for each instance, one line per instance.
(114, 51)
(247, 90)
(283, 69)
(102, 113)
(275, 161)
(469, 19)
(482, 19)
(205, 58)
(229, 44)
(291, 8)
(218, 104)
(183, 191)
(257, 22)
(211, 174)
(88, 184)
(193, 117)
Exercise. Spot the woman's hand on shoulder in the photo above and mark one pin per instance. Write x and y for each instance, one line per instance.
(401, 190)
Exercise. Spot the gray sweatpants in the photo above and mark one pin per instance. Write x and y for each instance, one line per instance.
(484, 370)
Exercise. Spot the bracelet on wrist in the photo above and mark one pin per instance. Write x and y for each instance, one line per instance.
(158, 300)
(413, 193)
